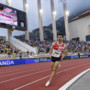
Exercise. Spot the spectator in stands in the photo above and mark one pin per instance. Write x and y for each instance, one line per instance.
(78, 55)
(20, 55)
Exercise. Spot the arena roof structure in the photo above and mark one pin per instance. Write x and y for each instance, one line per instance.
(84, 14)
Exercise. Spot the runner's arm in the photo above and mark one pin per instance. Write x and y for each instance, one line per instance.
(51, 48)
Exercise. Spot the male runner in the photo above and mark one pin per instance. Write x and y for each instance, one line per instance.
(57, 52)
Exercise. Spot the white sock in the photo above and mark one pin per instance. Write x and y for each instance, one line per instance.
(47, 83)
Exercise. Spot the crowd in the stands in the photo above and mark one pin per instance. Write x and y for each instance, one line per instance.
(78, 46)
(5, 48)
(74, 46)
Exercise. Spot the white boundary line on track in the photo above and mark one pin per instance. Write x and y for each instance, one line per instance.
(46, 77)
(68, 84)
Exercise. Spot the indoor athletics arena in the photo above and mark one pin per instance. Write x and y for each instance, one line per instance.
(44, 45)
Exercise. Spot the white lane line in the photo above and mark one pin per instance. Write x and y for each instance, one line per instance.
(13, 70)
(68, 84)
(21, 69)
(47, 77)
(24, 76)
(26, 71)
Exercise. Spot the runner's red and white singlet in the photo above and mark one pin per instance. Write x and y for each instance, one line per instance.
(58, 50)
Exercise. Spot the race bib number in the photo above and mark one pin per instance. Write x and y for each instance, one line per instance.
(56, 53)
